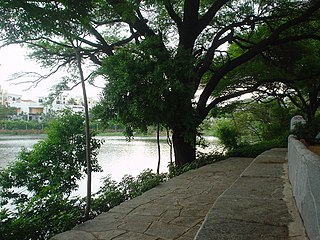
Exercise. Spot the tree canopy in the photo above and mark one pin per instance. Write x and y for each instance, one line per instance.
(289, 73)
(164, 61)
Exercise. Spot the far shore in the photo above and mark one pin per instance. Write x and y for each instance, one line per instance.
(21, 132)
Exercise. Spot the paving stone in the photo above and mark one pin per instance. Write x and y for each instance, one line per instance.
(166, 230)
(258, 205)
(72, 235)
(263, 211)
(137, 223)
(238, 229)
(134, 235)
(187, 221)
(255, 187)
(274, 170)
(108, 235)
(97, 225)
(191, 233)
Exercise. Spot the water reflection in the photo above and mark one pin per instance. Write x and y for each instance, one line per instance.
(117, 156)
(10, 145)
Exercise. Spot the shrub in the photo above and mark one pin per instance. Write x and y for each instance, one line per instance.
(227, 133)
(256, 149)
(201, 160)
(112, 193)
(48, 174)
(308, 132)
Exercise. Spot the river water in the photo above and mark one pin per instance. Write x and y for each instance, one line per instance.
(117, 157)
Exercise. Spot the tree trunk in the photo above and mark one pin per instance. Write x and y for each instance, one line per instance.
(87, 132)
(170, 144)
(184, 148)
(159, 150)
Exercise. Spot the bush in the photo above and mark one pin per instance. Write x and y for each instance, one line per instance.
(256, 149)
(308, 132)
(201, 160)
(112, 193)
(227, 133)
(48, 174)
(22, 125)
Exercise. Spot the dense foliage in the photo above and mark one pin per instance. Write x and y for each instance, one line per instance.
(250, 125)
(39, 183)
(309, 132)
(255, 149)
(62, 214)
(22, 125)
(227, 132)
(290, 73)
(36, 189)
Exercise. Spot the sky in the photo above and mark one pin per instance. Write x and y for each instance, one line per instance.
(13, 60)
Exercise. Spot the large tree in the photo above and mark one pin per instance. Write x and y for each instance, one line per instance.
(164, 60)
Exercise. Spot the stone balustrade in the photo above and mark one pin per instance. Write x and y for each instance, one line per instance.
(304, 175)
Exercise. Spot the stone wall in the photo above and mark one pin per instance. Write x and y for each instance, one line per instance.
(304, 174)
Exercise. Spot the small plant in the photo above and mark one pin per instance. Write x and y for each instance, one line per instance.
(307, 132)
(227, 133)
(112, 193)
(201, 160)
(253, 150)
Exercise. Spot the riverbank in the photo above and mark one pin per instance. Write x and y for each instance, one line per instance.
(21, 132)
(100, 134)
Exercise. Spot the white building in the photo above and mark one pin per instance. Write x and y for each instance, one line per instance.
(8, 98)
(31, 109)
(2, 96)
(65, 101)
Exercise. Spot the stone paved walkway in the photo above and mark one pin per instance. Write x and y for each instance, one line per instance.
(246, 196)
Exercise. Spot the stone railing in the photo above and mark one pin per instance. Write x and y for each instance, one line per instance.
(304, 174)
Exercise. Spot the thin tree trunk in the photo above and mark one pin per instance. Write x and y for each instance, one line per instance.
(159, 150)
(170, 145)
(87, 131)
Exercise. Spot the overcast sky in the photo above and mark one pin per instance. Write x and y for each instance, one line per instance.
(13, 60)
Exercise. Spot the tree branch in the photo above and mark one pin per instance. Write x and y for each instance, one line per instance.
(228, 97)
(207, 18)
(254, 51)
(172, 13)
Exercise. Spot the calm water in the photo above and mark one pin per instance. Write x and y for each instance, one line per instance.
(117, 156)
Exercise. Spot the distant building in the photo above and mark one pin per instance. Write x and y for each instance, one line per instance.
(28, 109)
(7, 99)
(2, 96)
(34, 110)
